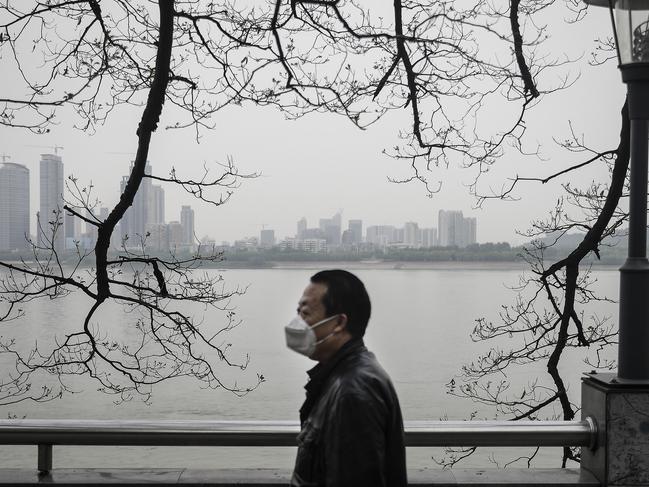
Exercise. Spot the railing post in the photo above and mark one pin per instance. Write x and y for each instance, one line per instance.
(620, 410)
(44, 458)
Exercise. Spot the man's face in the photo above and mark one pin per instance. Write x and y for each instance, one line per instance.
(311, 309)
(310, 306)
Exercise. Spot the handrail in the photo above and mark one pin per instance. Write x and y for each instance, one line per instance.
(48, 432)
(283, 433)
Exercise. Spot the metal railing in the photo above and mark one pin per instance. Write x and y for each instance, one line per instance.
(47, 432)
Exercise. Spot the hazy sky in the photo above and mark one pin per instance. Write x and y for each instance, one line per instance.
(320, 164)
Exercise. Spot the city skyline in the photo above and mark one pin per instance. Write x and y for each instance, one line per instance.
(457, 231)
(55, 228)
(153, 213)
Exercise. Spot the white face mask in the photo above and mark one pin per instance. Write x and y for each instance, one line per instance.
(301, 338)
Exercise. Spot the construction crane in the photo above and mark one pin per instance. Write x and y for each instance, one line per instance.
(55, 147)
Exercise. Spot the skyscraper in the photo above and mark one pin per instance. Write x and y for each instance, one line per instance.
(429, 237)
(331, 228)
(14, 206)
(301, 228)
(347, 238)
(455, 230)
(157, 205)
(135, 219)
(176, 236)
(470, 230)
(337, 219)
(356, 228)
(411, 234)
(50, 220)
(187, 223)
(72, 226)
(381, 235)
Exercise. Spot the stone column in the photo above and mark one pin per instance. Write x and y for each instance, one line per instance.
(621, 410)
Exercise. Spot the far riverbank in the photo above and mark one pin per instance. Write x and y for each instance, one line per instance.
(391, 265)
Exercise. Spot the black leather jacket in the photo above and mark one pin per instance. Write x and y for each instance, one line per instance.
(352, 430)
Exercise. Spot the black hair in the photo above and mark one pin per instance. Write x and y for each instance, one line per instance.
(345, 294)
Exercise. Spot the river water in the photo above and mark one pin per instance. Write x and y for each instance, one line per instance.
(419, 330)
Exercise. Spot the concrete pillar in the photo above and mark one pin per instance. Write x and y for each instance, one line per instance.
(621, 410)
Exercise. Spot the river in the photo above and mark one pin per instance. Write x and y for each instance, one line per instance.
(419, 330)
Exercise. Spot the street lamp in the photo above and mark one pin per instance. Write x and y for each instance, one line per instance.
(631, 32)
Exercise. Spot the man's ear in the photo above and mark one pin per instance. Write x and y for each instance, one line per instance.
(342, 322)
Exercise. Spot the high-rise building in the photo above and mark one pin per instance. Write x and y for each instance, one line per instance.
(187, 223)
(50, 216)
(381, 235)
(470, 230)
(158, 239)
(411, 234)
(455, 230)
(301, 228)
(331, 227)
(449, 223)
(134, 222)
(14, 206)
(429, 237)
(356, 229)
(313, 233)
(332, 234)
(157, 205)
(267, 238)
(176, 236)
(347, 238)
(72, 225)
(324, 222)
(337, 219)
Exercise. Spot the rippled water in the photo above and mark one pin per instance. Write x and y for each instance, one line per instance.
(421, 320)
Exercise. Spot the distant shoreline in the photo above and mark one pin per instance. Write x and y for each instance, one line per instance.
(392, 265)
(375, 264)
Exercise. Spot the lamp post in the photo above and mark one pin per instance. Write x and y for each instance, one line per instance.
(618, 404)
(631, 32)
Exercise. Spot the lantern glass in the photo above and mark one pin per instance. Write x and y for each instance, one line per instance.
(632, 22)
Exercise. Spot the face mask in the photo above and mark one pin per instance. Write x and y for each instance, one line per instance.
(301, 338)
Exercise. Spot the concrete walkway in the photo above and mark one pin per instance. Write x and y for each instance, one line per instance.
(267, 477)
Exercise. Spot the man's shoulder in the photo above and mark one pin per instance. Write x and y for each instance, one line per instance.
(360, 373)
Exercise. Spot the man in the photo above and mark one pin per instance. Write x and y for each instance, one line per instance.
(352, 430)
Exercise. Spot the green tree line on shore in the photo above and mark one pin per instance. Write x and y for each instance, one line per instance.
(479, 252)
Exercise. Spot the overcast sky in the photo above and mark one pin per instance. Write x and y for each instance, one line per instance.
(320, 164)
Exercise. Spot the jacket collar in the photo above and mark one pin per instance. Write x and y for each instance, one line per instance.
(318, 375)
(322, 370)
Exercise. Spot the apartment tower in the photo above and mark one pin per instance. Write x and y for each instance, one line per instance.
(14, 206)
(50, 216)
